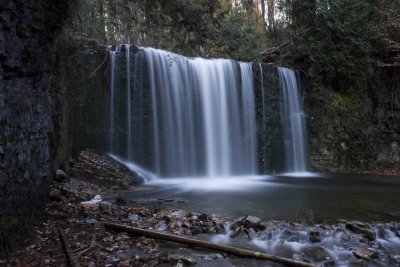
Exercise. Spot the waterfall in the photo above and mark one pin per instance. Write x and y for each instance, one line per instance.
(263, 120)
(129, 100)
(112, 88)
(293, 121)
(195, 117)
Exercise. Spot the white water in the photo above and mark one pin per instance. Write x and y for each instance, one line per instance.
(129, 99)
(204, 117)
(293, 121)
(197, 117)
(112, 92)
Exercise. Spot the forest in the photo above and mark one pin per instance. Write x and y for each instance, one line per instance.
(339, 40)
(200, 133)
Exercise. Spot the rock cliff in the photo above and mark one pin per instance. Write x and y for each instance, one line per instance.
(28, 131)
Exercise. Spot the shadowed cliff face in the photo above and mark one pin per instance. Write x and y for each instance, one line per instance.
(28, 34)
(358, 129)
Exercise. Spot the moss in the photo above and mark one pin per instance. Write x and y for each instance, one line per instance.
(346, 103)
(8, 223)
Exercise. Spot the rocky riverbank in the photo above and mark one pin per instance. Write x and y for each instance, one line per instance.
(90, 190)
(392, 170)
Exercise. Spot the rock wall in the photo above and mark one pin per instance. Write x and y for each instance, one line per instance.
(81, 79)
(358, 129)
(28, 130)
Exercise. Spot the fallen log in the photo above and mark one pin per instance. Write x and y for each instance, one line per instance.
(203, 244)
(275, 48)
(71, 261)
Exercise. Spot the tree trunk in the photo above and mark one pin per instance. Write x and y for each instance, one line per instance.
(271, 15)
(263, 12)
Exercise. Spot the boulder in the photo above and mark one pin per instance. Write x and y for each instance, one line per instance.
(318, 254)
(195, 230)
(365, 254)
(60, 175)
(314, 235)
(361, 228)
(179, 215)
(395, 259)
(248, 222)
(55, 195)
(187, 260)
(359, 263)
(251, 233)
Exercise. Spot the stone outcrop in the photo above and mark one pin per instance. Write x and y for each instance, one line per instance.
(357, 129)
(28, 33)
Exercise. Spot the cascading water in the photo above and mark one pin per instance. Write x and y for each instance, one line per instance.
(195, 117)
(112, 93)
(293, 121)
(129, 101)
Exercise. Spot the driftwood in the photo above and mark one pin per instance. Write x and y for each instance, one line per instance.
(91, 75)
(71, 261)
(275, 48)
(203, 244)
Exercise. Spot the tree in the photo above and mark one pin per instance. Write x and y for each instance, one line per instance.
(333, 35)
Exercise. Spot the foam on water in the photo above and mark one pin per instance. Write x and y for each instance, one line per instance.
(229, 183)
(146, 175)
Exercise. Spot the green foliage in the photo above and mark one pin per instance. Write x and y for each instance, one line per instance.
(346, 103)
(385, 39)
(210, 28)
(338, 40)
(333, 35)
(240, 38)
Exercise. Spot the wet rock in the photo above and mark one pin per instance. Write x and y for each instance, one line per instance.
(345, 237)
(253, 222)
(187, 260)
(105, 207)
(360, 228)
(329, 263)
(211, 257)
(365, 254)
(325, 226)
(60, 175)
(135, 217)
(179, 214)
(317, 253)
(195, 230)
(55, 195)
(298, 257)
(359, 263)
(248, 222)
(120, 201)
(161, 227)
(363, 240)
(358, 223)
(71, 163)
(219, 228)
(314, 235)
(394, 259)
(251, 233)
(236, 232)
(91, 221)
(285, 234)
(293, 238)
